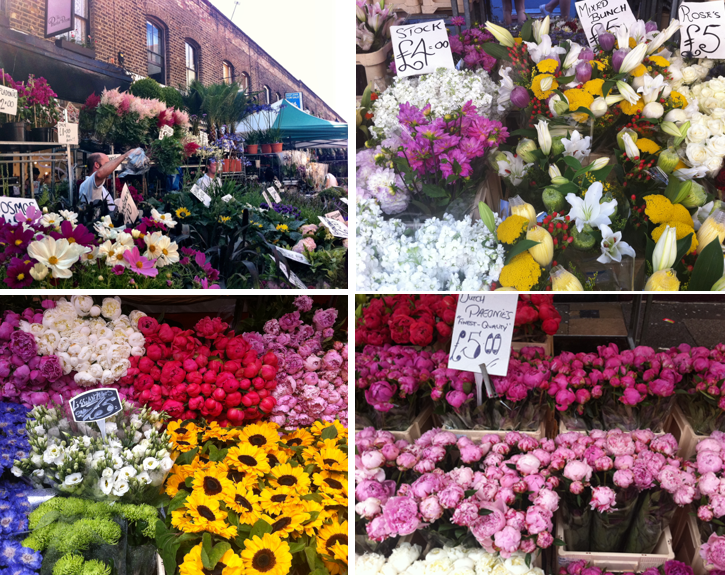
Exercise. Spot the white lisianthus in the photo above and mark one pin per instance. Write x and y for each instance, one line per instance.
(150, 463)
(120, 487)
(73, 479)
(143, 478)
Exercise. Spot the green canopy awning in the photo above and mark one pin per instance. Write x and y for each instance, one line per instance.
(307, 131)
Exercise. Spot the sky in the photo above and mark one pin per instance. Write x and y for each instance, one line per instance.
(307, 37)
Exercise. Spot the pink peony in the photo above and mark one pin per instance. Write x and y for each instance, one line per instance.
(603, 499)
(401, 515)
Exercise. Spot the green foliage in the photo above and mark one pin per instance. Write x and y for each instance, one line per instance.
(172, 97)
(69, 565)
(147, 88)
(168, 155)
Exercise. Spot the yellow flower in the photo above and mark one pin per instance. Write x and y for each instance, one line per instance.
(311, 526)
(203, 514)
(278, 501)
(579, 99)
(334, 484)
(229, 564)
(330, 459)
(659, 61)
(213, 483)
(291, 520)
(522, 273)
(511, 229)
(663, 280)
(174, 484)
(282, 228)
(266, 555)
(185, 438)
(640, 70)
(677, 99)
(248, 459)
(631, 109)
(594, 87)
(318, 427)
(547, 66)
(659, 208)
(301, 437)
(681, 214)
(291, 478)
(597, 64)
(518, 40)
(224, 219)
(264, 435)
(246, 503)
(536, 86)
(632, 43)
(647, 146)
(682, 230)
(329, 535)
(182, 213)
(215, 431)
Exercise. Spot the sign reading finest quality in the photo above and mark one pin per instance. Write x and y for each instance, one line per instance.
(337, 229)
(58, 17)
(597, 16)
(67, 133)
(201, 195)
(702, 29)
(482, 333)
(8, 100)
(96, 404)
(421, 48)
(127, 206)
(11, 206)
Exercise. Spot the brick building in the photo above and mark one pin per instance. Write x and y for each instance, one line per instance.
(173, 41)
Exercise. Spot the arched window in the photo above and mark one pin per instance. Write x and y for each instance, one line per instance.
(277, 96)
(156, 50)
(267, 95)
(227, 72)
(192, 62)
(245, 82)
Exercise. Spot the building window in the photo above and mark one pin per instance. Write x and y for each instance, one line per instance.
(227, 73)
(192, 64)
(267, 95)
(277, 96)
(245, 82)
(81, 33)
(155, 50)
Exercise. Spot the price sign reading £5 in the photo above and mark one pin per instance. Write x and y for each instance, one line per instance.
(421, 48)
(482, 333)
(703, 27)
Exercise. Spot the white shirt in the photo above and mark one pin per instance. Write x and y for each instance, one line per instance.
(205, 182)
(87, 188)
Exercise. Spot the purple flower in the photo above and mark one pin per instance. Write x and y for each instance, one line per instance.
(51, 368)
(23, 345)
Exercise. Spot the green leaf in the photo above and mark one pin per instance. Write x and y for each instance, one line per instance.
(179, 500)
(260, 528)
(434, 191)
(683, 246)
(205, 560)
(649, 249)
(496, 50)
(573, 163)
(582, 110)
(206, 550)
(484, 512)
(708, 268)
(607, 86)
(565, 80)
(526, 34)
(187, 458)
(365, 102)
(311, 555)
(559, 543)
(528, 560)
(218, 552)
(470, 492)
(296, 547)
(486, 213)
(329, 432)
(47, 519)
(525, 133)
(312, 497)
(519, 248)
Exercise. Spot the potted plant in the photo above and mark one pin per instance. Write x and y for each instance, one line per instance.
(43, 112)
(265, 139)
(275, 137)
(252, 141)
(372, 37)
(84, 48)
(14, 127)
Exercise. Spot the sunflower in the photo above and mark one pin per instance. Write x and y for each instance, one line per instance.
(311, 526)
(319, 426)
(206, 515)
(291, 479)
(330, 507)
(264, 435)
(215, 431)
(248, 458)
(330, 459)
(185, 437)
(266, 555)
(334, 484)
(298, 438)
(213, 482)
(246, 504)
(176, 483)
(182, 213)
(277, 501)
(329, 536)
(276, 458)
(229, 564)
(287, 522)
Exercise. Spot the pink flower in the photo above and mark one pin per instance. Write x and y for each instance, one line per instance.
(713, 552)
(603, 499)
(451, 496)
(139, 264)
(577, 470)
(619, 443)
(430, 509)
(538, 519)
(401, 515)
(466, 514)
(528, 464)
(305, 244)
(708, 483)
(709, 461)
(507, 540)
(378, 530)
(623, 478)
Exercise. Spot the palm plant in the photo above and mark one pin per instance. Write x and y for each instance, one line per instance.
(223, 105)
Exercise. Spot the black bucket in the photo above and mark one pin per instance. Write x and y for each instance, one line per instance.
(13, 132)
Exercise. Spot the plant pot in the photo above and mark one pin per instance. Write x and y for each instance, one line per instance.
(42, 135)
(77, 48)
(266, 148)
(277, 148)
(375, 64)
(252, 148)
(226, 165)
(13, 132)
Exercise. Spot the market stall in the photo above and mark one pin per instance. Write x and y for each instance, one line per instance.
(168, 441)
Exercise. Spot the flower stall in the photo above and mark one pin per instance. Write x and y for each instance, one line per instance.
(226, 449)
(554, 165)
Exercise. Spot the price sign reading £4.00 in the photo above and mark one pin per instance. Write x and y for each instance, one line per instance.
(421, 48)
(703, 29)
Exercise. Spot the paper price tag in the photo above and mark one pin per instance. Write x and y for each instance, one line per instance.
(273, 192)
(277, 183)
(421, 48)
(201, 195)
(127, 206)
(8, 100)
(11, 206)
(227, 198)
(598, 16)
(165, 132)
(344, 201)
(67, 133)
(336, 215)
(482, 333)
(96, 405)
(337, 229)
(294, 256)
(702, 29)
(291, 276)
(267, 199)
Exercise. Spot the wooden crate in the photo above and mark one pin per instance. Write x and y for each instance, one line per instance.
(683, 433)
(477, 434)
(547, 345)
(687, 546)
(420, 425)
(409, 6)
(616, 562)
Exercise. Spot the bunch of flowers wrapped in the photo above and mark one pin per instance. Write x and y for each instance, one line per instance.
(374, 20)
(421, 320)
(406, 560)
(256, 500)
(619, 489)
(506, 505)
(128, 463)
(671, 567)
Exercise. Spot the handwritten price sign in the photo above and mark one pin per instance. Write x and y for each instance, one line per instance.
(8, 100)
(421, 48)
(67, 133)
(598, 16)
(702, 30)
(127, 206)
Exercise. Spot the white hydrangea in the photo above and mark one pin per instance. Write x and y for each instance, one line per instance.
(445, 90)
(442, 255)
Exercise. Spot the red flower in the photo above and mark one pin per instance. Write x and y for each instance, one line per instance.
(209, 328)
(421, 333)
(237, 348)
(550, 326)
(148, 326)
(400, 326)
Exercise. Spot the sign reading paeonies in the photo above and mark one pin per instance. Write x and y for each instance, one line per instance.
(597, 16)
(421, 48)
(11, 206)
(58, 17)
(701, 35)
(8, 100)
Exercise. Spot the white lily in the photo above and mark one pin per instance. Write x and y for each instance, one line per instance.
(613, 248)
(613, 99)
(622, 34)
(599, 107)
(684, 174)
(663, 36)
(572, 57)
(577, 146)
(633, 59)
(599, 163)
(513, 167)
(651, 88)
(630, 148)
(554, 171)
(506, 86)
(628, 92)
(58, 255)
(501, 34)
(542, 129)
(540, 28)
(588, 210)
(665, 252)
(546, 83)
(638, 31)
(542, 50)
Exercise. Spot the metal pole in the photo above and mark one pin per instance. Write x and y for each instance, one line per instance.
(454, 9)
(70, 169)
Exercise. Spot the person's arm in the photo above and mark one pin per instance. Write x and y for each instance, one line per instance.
(109, 167)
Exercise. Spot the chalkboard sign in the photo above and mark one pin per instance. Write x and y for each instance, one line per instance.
(599, 16)
(701, 35)
(96, 404)
(421, 48)
(482, 332)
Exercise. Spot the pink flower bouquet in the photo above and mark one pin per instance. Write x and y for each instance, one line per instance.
(581, 567)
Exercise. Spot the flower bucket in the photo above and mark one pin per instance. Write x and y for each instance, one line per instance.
(679, 426)
(687, 545)
(42, 135)
(277, 148)
(266, 148)
(226, 165)
(375, 63)
(252, 148)
(13, 132)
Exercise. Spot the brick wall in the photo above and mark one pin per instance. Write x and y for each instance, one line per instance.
(119, 26)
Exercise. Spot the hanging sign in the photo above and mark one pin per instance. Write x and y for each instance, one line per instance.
(482, 332)
(337, 229)
(201, 195)
(702, 29)
(421, 48)
(598, 16)
(127, 206)
(294, 98)
(275, 194)
(226, 199)
(58, 17)
(96, 405)
(11, 206)
(8, 100)
(67, 133)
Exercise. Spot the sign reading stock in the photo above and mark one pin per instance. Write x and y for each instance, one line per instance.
(421, 48)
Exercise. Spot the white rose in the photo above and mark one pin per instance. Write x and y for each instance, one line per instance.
(696, 153)
(701, 71)
(403, 556)
(697, 134)
(713, 164)
(718, 113)
(689, 75)
(706, 63)
(716, 146)
(111, 307)
(710, 103)
(95, 311)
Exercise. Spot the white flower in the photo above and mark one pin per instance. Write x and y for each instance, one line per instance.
(693, 173)
(543, 49)
(69, 216)
(58, 255)
(165, 464)
(150, 463)
(17, 472)
(403, 556)
(165, 219)
(514, 168)
(111, 307)
(696, 154)
(663, 36)
(53, 455)
(544, 137)
(577, 146)
(665, 252)
(144, 478)
(588, 210)
(653, 110)
(51, 219)
(120, 487)
(516, 565)
(613, 248)
(633, 59)
(369, 564)
(572, 57)
(169, 252)
(73, 479)
(697, 134)
(107, 472)
(628, 92)
(630, 148)
(106, 484)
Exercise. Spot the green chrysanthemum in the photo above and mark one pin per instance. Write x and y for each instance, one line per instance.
(96, 567)
(69, 565)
